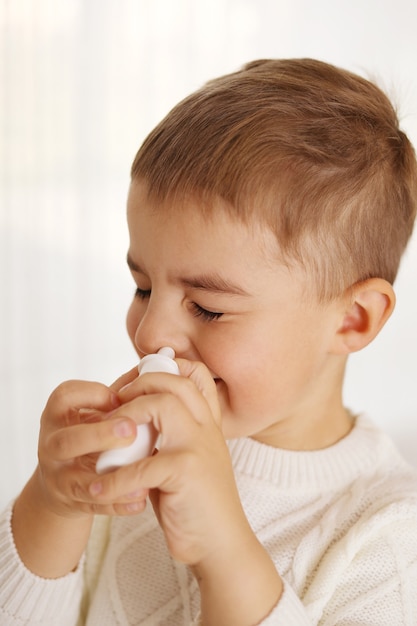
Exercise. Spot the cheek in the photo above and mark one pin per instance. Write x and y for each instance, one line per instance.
(233, 365)
(263, 373)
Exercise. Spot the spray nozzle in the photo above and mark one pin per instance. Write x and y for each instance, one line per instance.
(169, 352)
(146, 440)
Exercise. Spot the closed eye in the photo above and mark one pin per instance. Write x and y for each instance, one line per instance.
(142, 294)
(198, 311)
(208, 316)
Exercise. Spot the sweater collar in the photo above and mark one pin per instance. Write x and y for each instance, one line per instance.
(357, 454)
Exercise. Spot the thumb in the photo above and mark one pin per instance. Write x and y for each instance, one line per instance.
(124, 379)
(203, 380)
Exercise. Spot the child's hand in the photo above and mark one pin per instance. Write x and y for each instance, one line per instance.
(194, 494)
(52, 516)
(75, 426)
(191, 477)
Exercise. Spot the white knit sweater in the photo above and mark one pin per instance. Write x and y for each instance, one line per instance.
(340, 524)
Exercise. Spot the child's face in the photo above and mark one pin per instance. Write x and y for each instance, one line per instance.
(215, 291)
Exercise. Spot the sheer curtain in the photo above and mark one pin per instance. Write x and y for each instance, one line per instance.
(81, 83)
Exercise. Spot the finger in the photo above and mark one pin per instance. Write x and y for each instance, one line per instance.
(131, 504)
(109, 487)
(74, 441)
(71, 486)
(125, 379)
(168, 414)
(71, 396)
(164, 471)
(118, 509)
(200, 375)
(115, 493)
(121, 509)
(157, 399)
(201, 400)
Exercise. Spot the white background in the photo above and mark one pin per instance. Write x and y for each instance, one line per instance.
(81, 84)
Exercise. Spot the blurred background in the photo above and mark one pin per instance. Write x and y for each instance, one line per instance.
(81, 84)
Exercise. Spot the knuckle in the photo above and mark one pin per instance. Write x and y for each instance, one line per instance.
(59, 404)
(60, 446)
(87, 462)
(61, 393)
(76, 490)
(169, 402)
(98, 509)
(189, 385)
(199, 367)
(109, 486)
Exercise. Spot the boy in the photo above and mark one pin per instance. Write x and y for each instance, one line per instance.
(267, 215)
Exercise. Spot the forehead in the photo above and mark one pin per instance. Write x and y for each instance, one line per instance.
(192, 219)
(183, 240)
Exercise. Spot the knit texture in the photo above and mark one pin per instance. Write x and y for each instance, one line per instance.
(29, 599)
(340, 524)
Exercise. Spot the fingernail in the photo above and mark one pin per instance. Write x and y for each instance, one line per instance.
(135, 494)
(133, 507)
(96, 488)
(123, 429)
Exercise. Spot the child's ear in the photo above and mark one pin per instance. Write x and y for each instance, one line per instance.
(368, 305)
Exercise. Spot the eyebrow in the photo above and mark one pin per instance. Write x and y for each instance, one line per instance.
(204, 282)
(214, 283)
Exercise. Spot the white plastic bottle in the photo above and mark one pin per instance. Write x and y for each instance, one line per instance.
(144, 444)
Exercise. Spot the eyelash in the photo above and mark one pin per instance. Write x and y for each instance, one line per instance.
(208, 316)
(198, 311)
(142, 294)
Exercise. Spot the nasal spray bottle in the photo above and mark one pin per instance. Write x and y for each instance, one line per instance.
(144, 444)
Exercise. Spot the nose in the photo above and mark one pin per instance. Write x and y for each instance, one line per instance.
(162, 324)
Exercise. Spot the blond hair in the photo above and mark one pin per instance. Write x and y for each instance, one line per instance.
(312, 151)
